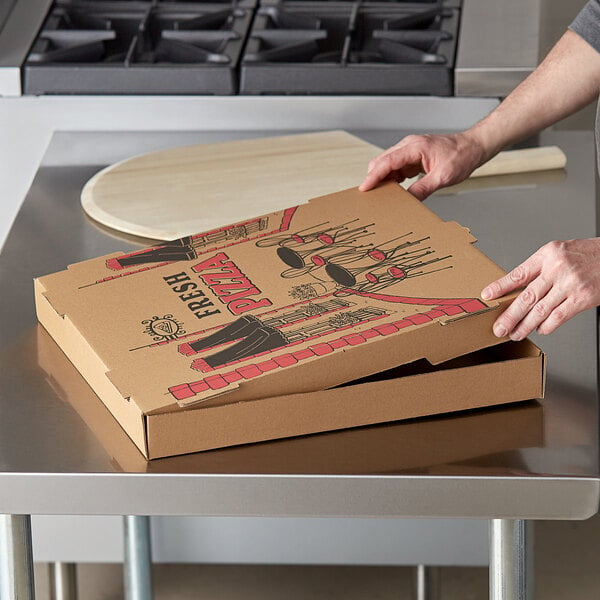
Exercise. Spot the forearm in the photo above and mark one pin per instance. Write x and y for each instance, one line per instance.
(567, 80)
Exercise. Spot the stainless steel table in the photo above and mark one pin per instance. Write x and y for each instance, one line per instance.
(61, 453)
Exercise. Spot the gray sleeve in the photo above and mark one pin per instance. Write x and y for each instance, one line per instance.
(587, 24)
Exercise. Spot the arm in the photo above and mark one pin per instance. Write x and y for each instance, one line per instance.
(562, 278)
(567, 80)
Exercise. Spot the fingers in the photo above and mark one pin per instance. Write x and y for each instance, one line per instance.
(526, 274)
(529, 310)
(393, 160)
(407, 172)
(560, 280)
(425, 186)
(561, 313)
(446, 159)
(517, 278)
(370, 181)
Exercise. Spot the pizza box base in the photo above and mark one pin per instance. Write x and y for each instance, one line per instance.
(429, 443)
(512, 374)
(509, 372)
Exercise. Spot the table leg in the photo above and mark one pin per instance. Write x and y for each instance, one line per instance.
(511, 559)
(63, 581)
(427, 583)
(138, 558)
(16, 558)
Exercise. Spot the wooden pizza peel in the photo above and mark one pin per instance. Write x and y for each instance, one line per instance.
(176, 192)
(172, 193)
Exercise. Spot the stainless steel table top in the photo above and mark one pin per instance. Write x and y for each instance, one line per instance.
(61, 451)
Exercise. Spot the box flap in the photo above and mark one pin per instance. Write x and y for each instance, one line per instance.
(84, 358)
(298, 300)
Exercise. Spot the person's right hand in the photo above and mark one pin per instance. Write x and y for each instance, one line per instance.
(445, 160)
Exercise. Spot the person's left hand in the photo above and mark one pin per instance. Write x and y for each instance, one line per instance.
(561, 279)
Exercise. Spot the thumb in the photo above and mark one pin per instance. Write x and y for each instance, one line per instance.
(425, 186)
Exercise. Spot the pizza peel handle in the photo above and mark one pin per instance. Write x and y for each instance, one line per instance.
(527, 160)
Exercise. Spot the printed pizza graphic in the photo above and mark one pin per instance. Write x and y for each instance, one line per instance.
(340, 258)
(190, 247)
(294, 295)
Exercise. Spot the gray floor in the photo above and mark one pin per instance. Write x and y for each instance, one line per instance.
(566, 568)
(567, 554)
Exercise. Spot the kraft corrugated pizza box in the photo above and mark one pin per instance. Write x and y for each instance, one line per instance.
(255, 331)
(425, 443)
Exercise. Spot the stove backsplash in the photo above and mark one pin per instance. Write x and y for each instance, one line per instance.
(246, 47)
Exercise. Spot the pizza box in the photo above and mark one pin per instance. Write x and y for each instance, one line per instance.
(336, 313)
(425, 443)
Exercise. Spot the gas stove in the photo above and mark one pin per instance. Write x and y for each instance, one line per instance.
(474, 48)
(245, 46)
(351, 48)
(131, 47)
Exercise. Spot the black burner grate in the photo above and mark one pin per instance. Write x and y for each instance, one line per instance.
(291, 47)
(139, 47)
(305, 47)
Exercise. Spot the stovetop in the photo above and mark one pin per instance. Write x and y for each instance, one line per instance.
(231, 46)
(351, 47)
(108, 46)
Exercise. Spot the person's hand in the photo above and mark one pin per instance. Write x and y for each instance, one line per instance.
(561, 279)
(445, 160)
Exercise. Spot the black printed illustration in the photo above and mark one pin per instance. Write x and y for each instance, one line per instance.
(255, 336)
(163, 328)
(343, 255)
(189, 247)
(334, 265)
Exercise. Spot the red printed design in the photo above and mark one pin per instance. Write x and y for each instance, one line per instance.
(467, 304)
(442, 307)
(296, 312)
(293, 314)
(191, 247)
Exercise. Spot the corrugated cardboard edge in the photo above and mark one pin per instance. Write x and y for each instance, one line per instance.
(298, 414)
(87, 362)
(380, 448)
